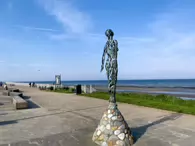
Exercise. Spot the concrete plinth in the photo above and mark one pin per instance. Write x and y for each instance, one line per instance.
(19, 103)
(113, 129)
(13, 90)
(15, 94)
(6, 93)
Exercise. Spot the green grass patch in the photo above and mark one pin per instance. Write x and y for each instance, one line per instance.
(164, 102)
(65, 90)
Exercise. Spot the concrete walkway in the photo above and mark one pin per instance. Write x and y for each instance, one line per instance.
(57, 119)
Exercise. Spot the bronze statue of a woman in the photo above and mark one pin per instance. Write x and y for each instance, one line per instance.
(111, 50)
(113, 129)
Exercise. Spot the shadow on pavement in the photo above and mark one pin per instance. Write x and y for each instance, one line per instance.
(57, 113)
(32, 105)
(3, 123)
(26, 97)
(138, 132)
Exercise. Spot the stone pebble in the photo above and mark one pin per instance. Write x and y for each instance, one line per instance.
(98, 133)
(118, 123)
(102, 128)
(101, 138)
(113, 138)
(117, 132)
(121, 136)
(127, 135)
(106, 131)
(126, 131)
(103, 122)
(121, 127)
(114, 118)
(108, 126)
(104, 144)
(120, 143)
(105, 118)
(114, 128)
(110, 115)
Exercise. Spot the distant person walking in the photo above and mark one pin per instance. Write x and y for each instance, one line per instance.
(33, 84)
(30, 84)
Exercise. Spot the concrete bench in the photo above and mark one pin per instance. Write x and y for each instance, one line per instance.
(6, 93)
(19, 103)
(13, 90)
(9, 93)
(15, 94)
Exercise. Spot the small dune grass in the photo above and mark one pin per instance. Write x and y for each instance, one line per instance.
(164, 102)
(63, 90)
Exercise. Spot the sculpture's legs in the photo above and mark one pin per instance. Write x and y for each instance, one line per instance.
(107, 66)
(115, 77)
(113, 80)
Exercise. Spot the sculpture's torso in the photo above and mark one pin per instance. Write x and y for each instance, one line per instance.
(112, 49)
(112, 67)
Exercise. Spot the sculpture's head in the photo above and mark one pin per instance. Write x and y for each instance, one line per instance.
(109, 33)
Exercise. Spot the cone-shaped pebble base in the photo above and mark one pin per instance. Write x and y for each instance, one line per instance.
(113, 129)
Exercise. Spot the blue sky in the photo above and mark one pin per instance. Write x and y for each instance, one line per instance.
(156, 38)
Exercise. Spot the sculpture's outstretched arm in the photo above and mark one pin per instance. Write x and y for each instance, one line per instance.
(103, 57)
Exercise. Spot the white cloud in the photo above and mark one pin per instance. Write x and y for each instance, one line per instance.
(41, 65)
(60, 37)
(72, 19)
(14, 65)
(9, 64)
(36, 28)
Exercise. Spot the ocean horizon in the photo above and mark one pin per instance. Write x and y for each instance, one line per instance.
(139, 83)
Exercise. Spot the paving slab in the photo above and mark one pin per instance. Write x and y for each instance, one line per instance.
(5, 103)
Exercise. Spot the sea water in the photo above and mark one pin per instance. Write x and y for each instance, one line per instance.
(139, 83)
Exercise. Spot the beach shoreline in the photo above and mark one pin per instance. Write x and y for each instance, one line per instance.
(154, 90)
(150, 83)
(179, 92)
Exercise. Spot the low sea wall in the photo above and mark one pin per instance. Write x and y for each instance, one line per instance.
(84, 88)
(19, 84)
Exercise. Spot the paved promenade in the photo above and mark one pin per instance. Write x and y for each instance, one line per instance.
(57, 119)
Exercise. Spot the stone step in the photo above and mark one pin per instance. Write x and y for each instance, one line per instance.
(19, 103)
